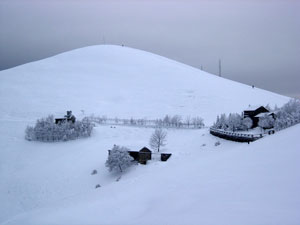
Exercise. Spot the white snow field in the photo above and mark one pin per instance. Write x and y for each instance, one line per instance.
(233, 183)
(51, 183)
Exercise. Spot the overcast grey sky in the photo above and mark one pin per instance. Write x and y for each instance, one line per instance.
(258, 41)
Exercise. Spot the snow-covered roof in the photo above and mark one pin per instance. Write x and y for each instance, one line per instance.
(263, 114)
(253, 107)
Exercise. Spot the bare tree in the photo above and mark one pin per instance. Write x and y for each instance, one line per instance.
(188, 121)
(158, 139)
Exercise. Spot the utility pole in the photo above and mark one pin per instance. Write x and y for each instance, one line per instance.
(220, 68)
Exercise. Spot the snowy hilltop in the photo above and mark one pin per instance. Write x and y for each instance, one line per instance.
(124, 82)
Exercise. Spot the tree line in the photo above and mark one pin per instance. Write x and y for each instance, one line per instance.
(168, 121)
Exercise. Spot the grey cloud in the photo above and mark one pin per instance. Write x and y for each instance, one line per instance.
(258, 41)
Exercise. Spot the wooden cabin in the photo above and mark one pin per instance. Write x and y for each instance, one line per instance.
(252, 113)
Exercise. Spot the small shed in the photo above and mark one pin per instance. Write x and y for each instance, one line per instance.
(142, 156)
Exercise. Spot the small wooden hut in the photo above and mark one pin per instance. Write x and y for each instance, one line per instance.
(141, 156)
(144, 155)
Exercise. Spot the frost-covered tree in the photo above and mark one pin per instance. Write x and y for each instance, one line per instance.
(197, 122)
(118, 159)
(176, 121)
(217, 123)
(268, 107)
(247, 122)
(292, 108)
(158, 139)
(234, 122)
(221, 122)
(132, 121)
(287, 115)
(159, 123)
(188, 121)
(266, 122)
(167, 120)
(282, 120)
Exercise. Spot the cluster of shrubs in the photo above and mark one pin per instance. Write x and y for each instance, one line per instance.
(233, 122)
(46, 130)
(287, 115)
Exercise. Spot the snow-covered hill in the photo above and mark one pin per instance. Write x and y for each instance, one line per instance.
(51, 183)
(120, 81)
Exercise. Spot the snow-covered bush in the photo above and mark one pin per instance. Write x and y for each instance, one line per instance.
(266, 122)
(247, 122)
(118, 159)
(46, 130)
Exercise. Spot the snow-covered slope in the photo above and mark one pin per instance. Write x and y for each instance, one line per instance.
(51, 183)
(120, 81)
(232, 183)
